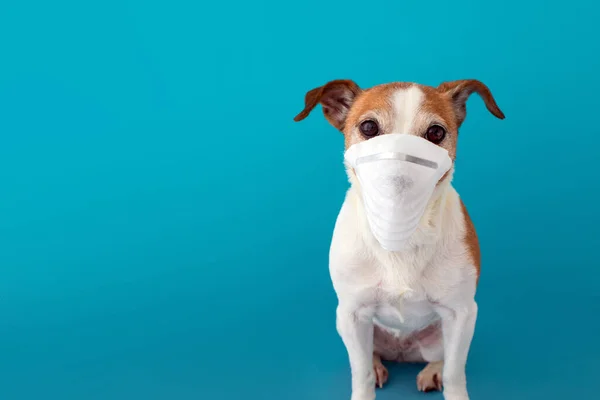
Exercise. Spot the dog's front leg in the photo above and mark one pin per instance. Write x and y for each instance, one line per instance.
(355, 326)
(458, 326)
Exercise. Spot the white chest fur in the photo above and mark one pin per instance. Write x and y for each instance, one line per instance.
(406, 313)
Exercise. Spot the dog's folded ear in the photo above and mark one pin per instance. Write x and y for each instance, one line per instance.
(336, 98)
(459, 92)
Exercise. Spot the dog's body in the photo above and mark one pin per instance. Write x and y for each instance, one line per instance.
(416, 305)
(400, 290)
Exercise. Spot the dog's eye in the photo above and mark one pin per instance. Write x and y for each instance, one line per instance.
(435, 134)
(369, 128)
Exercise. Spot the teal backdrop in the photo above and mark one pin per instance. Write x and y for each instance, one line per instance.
(164, 224)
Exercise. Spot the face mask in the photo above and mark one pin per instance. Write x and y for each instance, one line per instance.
(397, 174)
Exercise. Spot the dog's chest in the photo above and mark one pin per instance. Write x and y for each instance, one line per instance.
(406, 312)
(402, 302)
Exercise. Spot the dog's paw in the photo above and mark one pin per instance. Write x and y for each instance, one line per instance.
(457, 393)
(381, 372)
(430, 378)
(455, 396)
(370, 395)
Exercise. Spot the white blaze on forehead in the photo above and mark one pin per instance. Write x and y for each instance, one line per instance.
(406, 104)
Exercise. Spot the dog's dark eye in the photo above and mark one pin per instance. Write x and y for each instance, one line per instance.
(435, 134)
(369, 128)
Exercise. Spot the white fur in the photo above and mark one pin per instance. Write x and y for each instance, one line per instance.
(403, 292)
(406, 104)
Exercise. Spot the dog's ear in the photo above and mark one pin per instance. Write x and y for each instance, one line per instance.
(459, 91)
(336, 98)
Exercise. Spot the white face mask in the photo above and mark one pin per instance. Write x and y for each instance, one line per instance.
(397, 174)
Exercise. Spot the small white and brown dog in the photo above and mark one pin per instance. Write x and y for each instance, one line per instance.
(418, 304)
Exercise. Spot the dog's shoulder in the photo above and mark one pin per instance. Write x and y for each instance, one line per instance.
(470, 239)
(457, 258)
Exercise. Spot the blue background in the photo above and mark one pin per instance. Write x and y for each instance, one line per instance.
(164, 224)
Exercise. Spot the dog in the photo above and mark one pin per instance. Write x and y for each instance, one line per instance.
(415, 305)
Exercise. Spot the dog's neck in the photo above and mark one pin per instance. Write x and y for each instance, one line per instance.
(430, 224)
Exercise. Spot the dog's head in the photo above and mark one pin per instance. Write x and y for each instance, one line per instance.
(434, 113)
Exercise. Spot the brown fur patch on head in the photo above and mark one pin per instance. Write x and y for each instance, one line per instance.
(373, 102)
(441, 112)
(346, 106)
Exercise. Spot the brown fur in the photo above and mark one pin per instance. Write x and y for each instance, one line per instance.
(459, 91)
(336, 98)
(471, 240)
(376, 98)
(438, 104)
